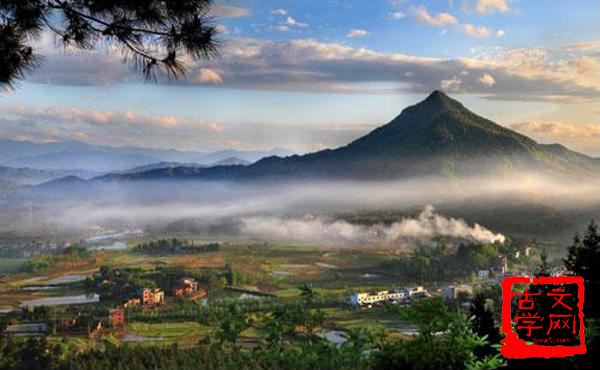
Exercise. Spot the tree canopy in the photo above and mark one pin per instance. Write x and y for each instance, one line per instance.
(151, 33)
(583, 260)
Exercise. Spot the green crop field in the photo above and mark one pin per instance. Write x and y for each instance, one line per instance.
(183, 333)
(8, 265)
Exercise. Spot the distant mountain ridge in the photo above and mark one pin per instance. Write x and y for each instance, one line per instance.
(78, 156)
(230, 161)
(438, 136)
(31, 176)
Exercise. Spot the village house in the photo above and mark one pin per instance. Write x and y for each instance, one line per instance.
(501, 266)
(199, 294)
(483, 274)
(117, 318)
(147, 297)
(395, 295)
(186, 287)
(451, 292)
(152, 297)
(366, 299)
(132, 302)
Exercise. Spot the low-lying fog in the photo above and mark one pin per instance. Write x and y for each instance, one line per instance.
(310, 211)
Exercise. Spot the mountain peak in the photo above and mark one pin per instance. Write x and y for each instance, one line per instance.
(437, 94)
(435, 137)
(436, 104)
(439, 101)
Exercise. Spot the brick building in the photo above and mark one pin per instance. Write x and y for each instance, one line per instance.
(117, 318)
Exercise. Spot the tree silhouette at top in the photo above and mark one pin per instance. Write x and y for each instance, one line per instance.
(152, 33)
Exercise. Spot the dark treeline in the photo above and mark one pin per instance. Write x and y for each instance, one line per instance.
(441, 263)
(43, 261)
(291, 341)
(172, 246)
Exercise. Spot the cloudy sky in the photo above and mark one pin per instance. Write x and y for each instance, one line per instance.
(308, 74)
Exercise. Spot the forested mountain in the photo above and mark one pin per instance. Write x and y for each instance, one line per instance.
(438, 136)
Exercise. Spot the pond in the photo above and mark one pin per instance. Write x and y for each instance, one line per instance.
(409, 330)
(139, 338)
(40, 287)
(326, 265)
(279, 273)
(247, 296)
(295, 266)
(334, 336)
(65, 279)
(116, 246)
(111, 234)
(33, 280)
(62, 300)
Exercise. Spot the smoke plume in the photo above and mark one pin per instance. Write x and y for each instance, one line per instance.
(428, 226)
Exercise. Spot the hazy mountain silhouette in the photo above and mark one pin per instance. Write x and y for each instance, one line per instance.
(231, 161)
(437, 136)
(78, 156)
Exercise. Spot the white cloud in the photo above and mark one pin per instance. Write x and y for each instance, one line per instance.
(290, 21)
(226, 11)
(500, 33)
(357, 33)
(545, 66)
(6, 90)
(487, 79)
(438, 20)
(281, 28)
(446, 19)
(586, 46)
(491, 6)
(585, 138)
(221, 28)
(104, 127)
(96, 118)
(557, 129)
(475, 31)
(209, 76)
(165, 130)
(453, 84)
(559, 73)
(397, 15)
(279, 11)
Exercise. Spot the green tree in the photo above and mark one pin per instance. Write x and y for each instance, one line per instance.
(484, 325)
(3, 325)
(230, 323)
(583, 259)
(421, 261)
(308, 294)
(543, 269)
(445, 340)
(152, 33)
